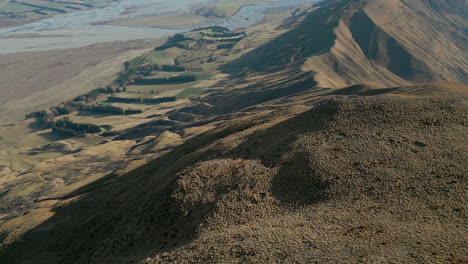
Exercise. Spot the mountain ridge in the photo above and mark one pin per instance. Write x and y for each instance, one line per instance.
(335, 51)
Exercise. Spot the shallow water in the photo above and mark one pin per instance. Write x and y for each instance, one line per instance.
(78, 29)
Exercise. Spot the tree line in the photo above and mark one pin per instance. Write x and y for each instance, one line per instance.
(212, 28)
(141, 100)
(145, 70)
(225, 46)
(109, 109)
(168, 80)
(174, 42)
(93, 94)
(64, 126)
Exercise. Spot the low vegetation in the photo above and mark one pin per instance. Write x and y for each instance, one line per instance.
(225, 46)
(93, 94)
(156, 100)
(109, 109)
(212, 28)
(138, 72)
(175, 41)
(64, 126)
(168, 80)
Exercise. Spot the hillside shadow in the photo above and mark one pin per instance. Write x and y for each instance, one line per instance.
(35, 126)
(135, 215)
(297, 180)
(132, 216)
(95, 115)
(49, 136)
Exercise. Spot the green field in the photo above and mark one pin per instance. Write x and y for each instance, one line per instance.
(189, 92)
(159, 57)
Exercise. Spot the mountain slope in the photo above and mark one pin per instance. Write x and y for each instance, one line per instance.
(389, 42)
(298, 184)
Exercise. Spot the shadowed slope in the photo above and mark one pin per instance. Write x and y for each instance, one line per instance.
(285, 185)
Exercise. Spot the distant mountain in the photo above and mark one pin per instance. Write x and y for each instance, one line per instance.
(389, 42)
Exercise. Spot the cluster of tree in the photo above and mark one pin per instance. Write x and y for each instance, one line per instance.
(142, 100)
(174, 41)
(44, 116)
(36, 114)
(225, 46)
(64, 131)
(109, 109)
(159, 100)
(60, 110)
(213, 28)
(168, 80)
(124, 78)
(178, 38)
(93, 94)
(146, 70)
(127, 65)
(65, 124)
(225, 34)
(125, 100)
(45, 119)
(133, 111)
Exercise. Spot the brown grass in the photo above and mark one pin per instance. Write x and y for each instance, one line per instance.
(284, 187)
